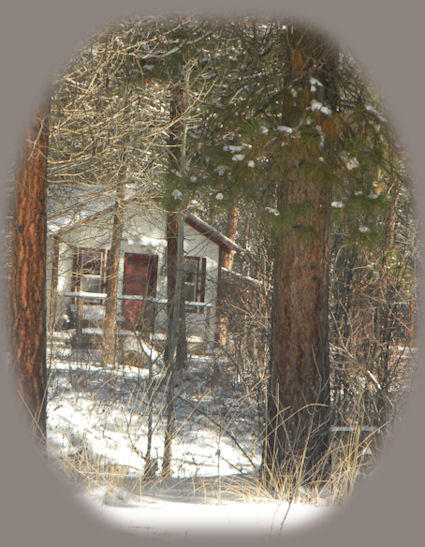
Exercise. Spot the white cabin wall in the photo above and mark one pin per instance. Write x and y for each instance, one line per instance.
(144, 232)
(196, 244)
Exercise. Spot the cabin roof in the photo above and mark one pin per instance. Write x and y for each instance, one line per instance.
(192, 220)
(211, 233)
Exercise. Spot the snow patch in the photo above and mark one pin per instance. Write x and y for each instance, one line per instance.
(376, 113)
(314, 84)
(221, 170)
(285, 129)
(233, 149)
(350, 163)
(317, 105)
(147, 241)
(238, 157)
(155, 517)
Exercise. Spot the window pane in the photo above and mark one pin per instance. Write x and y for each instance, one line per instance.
(191, 277)
(191, 269)
(190, 265)
(189, 293)
(91, 262)
(90, 284)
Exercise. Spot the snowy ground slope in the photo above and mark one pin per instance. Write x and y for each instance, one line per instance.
(151, 515)
(104, 411)
(98, 420)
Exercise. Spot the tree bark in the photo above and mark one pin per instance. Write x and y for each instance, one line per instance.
(175, 296)
(231, 230)
(177, 106)
(227, 263)
(175, 354)
(298, 400)
(27, 281)
(112, 270)
(298, 406)
(54, 286)
(174, 358)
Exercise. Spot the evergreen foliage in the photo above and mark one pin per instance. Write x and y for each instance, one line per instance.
(275, 120)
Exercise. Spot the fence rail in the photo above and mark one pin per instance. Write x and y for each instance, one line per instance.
(199, 318)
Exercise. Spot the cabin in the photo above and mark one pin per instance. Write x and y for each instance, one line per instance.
(78, 254)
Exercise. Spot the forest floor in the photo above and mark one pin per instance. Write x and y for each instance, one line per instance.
(98, 424)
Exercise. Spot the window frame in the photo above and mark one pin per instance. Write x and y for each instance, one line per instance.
(199, 284)
(78, 274)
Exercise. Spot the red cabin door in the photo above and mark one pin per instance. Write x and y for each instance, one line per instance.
(140, 276)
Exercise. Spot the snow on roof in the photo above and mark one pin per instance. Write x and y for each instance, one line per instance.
(62, 224)
(244, 277)
(73, 205)
(212, 233)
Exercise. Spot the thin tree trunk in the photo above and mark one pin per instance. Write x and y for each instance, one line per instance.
(112, 270)
(231, 230)
(175, 294)
(227, 263)
(27, 283)
(79, 321)
(411, 324)
(176, 160)
(54, 286)
(151, 464)
(172, 356)
(175, 354)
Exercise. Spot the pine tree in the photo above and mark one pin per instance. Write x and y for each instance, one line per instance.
(27, 275)
(293, 129)
(298, 418)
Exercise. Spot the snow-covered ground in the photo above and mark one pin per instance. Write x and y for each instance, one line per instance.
(98, 431)
(155, 516)
(104, 412)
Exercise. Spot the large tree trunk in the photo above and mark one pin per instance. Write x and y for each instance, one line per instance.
(112, 269)
(27, 284)
(298, 400)
(298, 409)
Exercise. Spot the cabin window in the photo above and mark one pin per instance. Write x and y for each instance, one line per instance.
(195, 277)
(89, 270)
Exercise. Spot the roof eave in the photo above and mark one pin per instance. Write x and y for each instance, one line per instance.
(211, 233)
